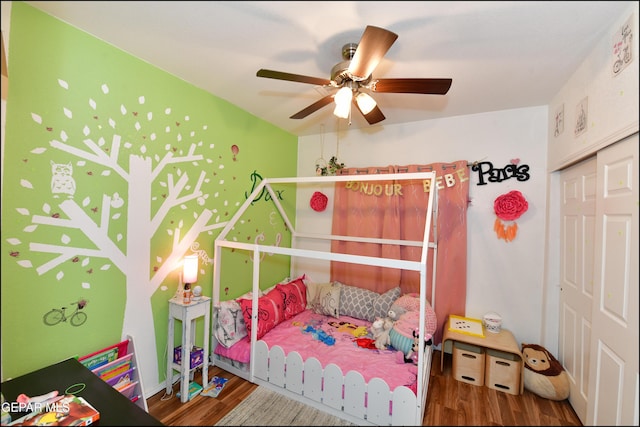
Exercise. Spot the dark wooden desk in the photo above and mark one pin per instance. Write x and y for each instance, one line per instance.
(115, 409)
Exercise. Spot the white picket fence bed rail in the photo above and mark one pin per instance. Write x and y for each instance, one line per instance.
(347, 396)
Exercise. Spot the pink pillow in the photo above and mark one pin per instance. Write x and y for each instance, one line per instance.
(409, 321)
(270, 312)
(410, 301)
(294, 295)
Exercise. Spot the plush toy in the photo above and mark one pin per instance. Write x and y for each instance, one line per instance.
(543, 373)
(380, 329)
(376, 327)
(412, 355)
(396, 311)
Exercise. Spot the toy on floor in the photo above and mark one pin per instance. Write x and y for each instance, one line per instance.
(543, 373)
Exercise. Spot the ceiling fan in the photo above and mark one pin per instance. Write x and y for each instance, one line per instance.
(353, 78)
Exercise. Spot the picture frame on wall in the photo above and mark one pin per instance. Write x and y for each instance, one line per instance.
(559, 121)
(622, 51)
(582, 115)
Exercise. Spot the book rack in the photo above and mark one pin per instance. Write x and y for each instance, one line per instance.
(117, 366)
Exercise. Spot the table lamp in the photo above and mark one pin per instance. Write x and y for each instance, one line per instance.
(189, 275)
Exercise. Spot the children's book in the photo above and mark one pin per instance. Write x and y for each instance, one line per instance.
(466, 325)
(194, 390)
(127, 390)
(112, 369)
(215, 387)
(101, 358)
(69, 410)
(119, 380)
(104, 356)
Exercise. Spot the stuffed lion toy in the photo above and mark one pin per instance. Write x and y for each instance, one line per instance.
(543, 373)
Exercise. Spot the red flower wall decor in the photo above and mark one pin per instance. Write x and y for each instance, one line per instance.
(318, 201)
(508, 207)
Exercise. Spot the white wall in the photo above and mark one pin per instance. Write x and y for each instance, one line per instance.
(612, 99)
(613, 108)
(503, 277)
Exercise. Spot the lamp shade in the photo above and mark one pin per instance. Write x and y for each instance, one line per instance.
(190, 269)
(343, 102)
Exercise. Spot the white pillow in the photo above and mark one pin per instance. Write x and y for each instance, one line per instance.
(325, 298)
(230, 326)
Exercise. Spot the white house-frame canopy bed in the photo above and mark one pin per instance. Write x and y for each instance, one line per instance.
(382, 396)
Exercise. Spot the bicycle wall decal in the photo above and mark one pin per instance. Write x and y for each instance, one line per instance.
(622, 55)
(57, 315)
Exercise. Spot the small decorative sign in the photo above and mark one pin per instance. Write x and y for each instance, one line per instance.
(488, 173)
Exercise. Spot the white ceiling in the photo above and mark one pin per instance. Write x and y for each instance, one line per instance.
(500, 54)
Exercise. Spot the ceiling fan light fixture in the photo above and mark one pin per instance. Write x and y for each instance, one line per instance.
(343, 102)
(355, 73)
(365, 102)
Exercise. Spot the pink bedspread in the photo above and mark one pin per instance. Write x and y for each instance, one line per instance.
(345, 352)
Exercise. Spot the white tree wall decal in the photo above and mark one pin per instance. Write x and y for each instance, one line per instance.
(145, 212)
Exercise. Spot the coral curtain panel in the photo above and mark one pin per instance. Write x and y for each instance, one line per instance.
(396, 210)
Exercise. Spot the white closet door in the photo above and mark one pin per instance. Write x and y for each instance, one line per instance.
(577, 248)
(613, 376)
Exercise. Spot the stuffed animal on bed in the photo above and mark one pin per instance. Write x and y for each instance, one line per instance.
(402, 335)
(380, 329)
(396, 311)
(412, 355)
(543, 373)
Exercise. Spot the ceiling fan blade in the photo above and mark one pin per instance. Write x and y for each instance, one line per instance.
(322, 102)
(373, 45)
(425, 86)
(374, 116)
(279, 75)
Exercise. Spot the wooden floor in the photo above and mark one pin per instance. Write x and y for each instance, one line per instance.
(449, 402)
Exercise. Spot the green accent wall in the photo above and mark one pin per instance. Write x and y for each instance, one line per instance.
(113, 171)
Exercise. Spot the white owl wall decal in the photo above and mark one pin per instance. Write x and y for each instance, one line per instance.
(61, 179)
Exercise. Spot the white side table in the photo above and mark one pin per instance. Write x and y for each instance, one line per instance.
(187, 314)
